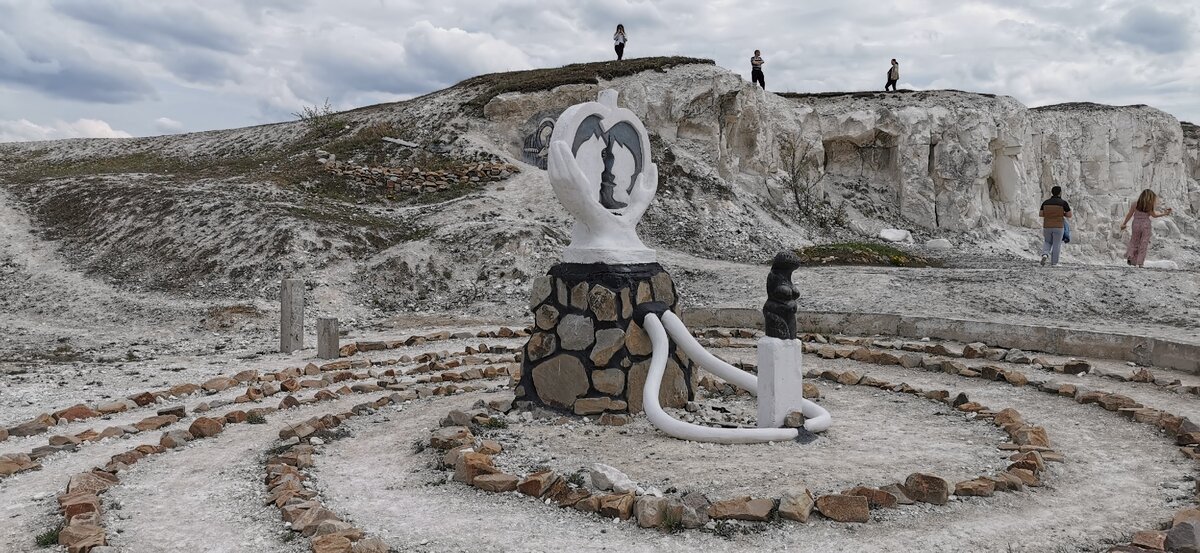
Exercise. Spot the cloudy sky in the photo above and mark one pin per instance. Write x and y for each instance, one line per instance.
(73, 68)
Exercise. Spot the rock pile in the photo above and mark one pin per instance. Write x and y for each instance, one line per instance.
(413, 179)
(619, 497)
(587, 354)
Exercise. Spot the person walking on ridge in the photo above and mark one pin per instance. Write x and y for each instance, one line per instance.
(1055, 211)
(619, 40)
(756, 73)
(893, 75)
(1141, 212)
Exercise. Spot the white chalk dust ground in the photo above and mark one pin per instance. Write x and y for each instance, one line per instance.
(1119, 477)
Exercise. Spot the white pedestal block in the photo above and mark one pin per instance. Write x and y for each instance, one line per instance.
(780, 380)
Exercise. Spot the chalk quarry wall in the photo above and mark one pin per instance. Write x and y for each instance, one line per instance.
(941, 163)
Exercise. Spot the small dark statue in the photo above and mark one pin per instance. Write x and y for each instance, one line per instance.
(780, 310)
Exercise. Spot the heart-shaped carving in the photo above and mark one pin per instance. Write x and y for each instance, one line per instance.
(593, 145)
(620, 133)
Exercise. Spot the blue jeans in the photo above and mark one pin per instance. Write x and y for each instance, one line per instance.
(1052, 243)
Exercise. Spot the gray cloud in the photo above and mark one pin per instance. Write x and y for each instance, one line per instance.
(1154, 30)
(158, 23)
(253, 61)
(61, 70)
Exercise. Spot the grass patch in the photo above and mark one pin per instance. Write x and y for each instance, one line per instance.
(496, 423)
(862, 253)
(48, 538)
(534, 80)
(255, 418)
(576, 479)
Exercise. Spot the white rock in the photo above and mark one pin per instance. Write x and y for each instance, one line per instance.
(605, 477)
(895, 235)
(939, 244)
(1162, 264)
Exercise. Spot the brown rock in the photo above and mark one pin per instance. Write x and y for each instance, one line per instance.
(876, 498)
(155, 422)
(76, 412)
(370, 545)
(1186, 515)
(603, 303)
(560, 380)
(811, 391)
(219, 384)
(451, 437)
(674, 390)
(1150, 539)
(205, 427)
(796, 505)
(614, 419)
(33, 427)
(92, 482)
(981, 487)
(1031, 435)
(541, 344)
(1027, 477)
(637, 341)
(332, 543)
(844, 508)
(650, 511)
(1113, 402)
(112, 407)
(143, 399)
(849, 378)
(617, 505)
(609, 381)
(78, 503)
(1076, 366)
(742, 508)
(81, 537)
(497, 482)
(927, 488)
(175, 438)
(608, 342)
(471, 465)
(538, 483)
(178, 411)
(1007, 416)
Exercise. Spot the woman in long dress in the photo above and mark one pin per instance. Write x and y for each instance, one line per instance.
(1141, 212)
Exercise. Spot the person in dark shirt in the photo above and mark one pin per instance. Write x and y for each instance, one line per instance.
(1055, 212)
(756, 73)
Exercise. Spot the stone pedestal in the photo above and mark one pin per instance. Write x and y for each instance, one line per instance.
(586, 354)
(780, 380)
(291, 315)
(328, 343)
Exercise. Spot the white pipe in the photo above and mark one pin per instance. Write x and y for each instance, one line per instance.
(702, 357)
(816, 418)
(685, 430)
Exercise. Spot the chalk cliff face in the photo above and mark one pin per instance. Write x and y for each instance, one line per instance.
(972, 167)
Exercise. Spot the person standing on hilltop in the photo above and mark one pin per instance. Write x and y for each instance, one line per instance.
(619, 40)
(893, 75)
(1141, 212)
(756, 74)
(1055, 213)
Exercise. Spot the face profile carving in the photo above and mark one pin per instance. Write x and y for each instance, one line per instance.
(600, 170)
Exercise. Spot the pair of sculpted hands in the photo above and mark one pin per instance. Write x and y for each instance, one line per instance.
(581, 197)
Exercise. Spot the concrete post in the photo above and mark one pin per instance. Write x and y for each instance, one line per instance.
(327, 338)
(291, 315)
(780, 380)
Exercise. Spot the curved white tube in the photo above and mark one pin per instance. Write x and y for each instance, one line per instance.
(686, 430)
(816, 418)
(701, 356)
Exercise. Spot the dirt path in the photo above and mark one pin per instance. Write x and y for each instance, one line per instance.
(1120, 477)
(208, 496)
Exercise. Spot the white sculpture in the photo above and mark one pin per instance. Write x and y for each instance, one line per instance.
(600, 169)
(601, 172)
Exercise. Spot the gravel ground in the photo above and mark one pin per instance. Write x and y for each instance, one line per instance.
(1104, 492)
